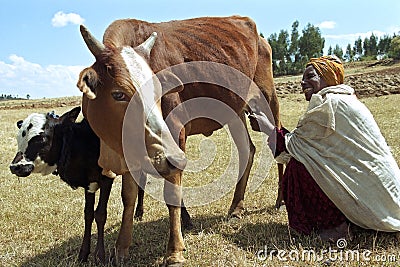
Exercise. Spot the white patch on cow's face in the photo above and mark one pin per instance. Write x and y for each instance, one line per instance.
(138, 68)
(31, 127)
(161, 146)
(42, 167)
(146, 84)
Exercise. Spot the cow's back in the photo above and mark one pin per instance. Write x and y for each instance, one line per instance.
(232, 41)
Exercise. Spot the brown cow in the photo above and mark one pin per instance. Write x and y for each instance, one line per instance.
(122, 102)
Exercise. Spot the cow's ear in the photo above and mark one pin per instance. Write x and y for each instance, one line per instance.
(52, 115)
(87, 82)
(71, 115)
(19, 124)
(170, 82)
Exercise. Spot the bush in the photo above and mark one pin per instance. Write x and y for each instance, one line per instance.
(394, 49)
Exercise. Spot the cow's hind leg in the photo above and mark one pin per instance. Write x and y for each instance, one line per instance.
(246, 151)
(185, 216)
(100, 216)
(186, 220)
(89, 217)
(139, 206)
(279, 200)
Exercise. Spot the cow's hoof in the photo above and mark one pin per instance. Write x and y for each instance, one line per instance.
(83, 255)
(279, 203)
(174, 260)
(177, 264)
(138, 215)
(100, 256)
(118, 256)
(236, 214)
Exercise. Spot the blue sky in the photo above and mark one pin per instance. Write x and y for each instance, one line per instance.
(42, 52)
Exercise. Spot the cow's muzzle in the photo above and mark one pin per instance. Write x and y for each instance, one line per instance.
(22, 170)
(20, 166)
(176, 161)
(165, 164)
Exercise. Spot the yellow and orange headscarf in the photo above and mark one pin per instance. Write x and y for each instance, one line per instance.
(330, 68)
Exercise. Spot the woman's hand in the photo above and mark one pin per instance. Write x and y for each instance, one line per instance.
(260, 122)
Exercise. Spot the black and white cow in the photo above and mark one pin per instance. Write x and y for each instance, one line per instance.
(51, 144)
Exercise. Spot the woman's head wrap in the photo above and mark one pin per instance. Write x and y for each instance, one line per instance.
(330, 68)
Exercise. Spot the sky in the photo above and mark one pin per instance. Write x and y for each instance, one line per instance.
(42, 51)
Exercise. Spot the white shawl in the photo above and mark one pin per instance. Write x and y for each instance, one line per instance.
(340, 144)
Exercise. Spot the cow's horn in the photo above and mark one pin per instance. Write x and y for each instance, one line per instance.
(149, 43)
(92, 43)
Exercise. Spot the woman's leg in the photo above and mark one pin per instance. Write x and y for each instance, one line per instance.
(309, 209)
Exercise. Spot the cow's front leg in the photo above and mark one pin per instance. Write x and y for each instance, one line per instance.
(100, 216)
(129, 194)
(173, 198)
(89, 217)
(246, 151)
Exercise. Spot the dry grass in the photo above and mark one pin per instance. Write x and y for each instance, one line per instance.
(42, 218)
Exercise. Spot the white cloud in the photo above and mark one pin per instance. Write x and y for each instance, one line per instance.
(394, 29)
(344, 39)
(21, 77)
(327, 24)
(354, 36)
(62, 19)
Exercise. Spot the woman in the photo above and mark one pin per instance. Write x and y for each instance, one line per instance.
(341, 169)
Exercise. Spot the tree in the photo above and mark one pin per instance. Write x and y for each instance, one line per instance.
(373, 45)
(330, 50)
(272, 40)
(358, 49)
(28, 96)
(294, 52)
(366, 46)
(338, 51)
(384, 45)
(311, 44)
(394, 49)
(283, 44)
(279, 45)
(294, 40)
(349, 55)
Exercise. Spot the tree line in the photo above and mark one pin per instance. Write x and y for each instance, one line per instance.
(9, 97)
(290, 52)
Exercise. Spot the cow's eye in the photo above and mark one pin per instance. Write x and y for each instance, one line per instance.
(120, 96)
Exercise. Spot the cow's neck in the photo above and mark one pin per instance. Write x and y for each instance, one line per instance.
(55, 151)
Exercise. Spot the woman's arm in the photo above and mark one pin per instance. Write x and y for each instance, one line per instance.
(276, 137)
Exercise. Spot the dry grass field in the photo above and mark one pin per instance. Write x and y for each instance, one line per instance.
(41, 218)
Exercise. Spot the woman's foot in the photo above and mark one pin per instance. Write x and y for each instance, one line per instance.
(334, 234)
